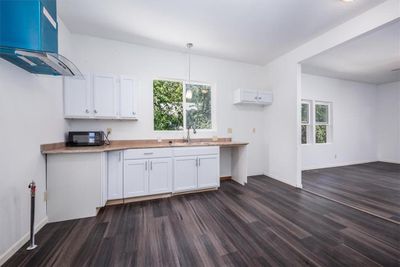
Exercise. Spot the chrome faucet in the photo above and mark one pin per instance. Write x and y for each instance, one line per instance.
(188, 139)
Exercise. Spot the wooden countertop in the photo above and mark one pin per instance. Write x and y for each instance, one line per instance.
(60, 148)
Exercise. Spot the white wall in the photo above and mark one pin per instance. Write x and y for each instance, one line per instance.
(354, 135)
(388, 122)
(107, 56)
(30, 115)
(283, 75)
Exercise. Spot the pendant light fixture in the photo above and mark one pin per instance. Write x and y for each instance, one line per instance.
(189, 92)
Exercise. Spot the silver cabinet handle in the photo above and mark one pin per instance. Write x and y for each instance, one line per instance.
(145, 166)
(95, 111)
(197, 164)
(119, 156)
(87, 111)
(199, 161)
(148, 153)
(151, 165)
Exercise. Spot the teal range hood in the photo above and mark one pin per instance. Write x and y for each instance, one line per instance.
(29, 37)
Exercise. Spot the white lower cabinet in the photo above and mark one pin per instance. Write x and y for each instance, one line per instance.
(147, 172)
(196, 168)
(143, 172)
(185, 173)
(160, 176)
(136, 178)
(115, 175)
(208, 171)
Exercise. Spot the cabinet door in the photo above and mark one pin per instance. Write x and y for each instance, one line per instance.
(248, 96)
(77, 97)
(160, 175)
(185, 173)
(104, 96)
(136, 178)
(127, 98)
(208, 171)
(264, 97)
(115, 175)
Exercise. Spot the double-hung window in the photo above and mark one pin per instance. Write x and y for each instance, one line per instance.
(322, 122)
(178, 105)
(316, 122)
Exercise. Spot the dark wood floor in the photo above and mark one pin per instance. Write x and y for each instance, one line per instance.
(265, 223)
(373, 187)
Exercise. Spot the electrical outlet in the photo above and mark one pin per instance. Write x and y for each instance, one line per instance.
(45, 196)
(230, 130)
(109, 131)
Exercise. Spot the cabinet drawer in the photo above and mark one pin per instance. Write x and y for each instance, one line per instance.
(147, 153)
(195, 151)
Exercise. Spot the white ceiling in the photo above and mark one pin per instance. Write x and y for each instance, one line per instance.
(253, 31)
(369, 58)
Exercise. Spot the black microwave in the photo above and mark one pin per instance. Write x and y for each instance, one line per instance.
(85, 139)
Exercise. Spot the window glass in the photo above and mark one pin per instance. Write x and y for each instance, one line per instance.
(198, 106)
(305, 113)
(168, 105)
(320, 134)
(304, 134)
(321, 113)
(178, 105)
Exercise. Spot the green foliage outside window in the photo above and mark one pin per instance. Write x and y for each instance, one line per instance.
(168, 105)
(198, 106)
(304, 134)
(321, 113)
(320, 134)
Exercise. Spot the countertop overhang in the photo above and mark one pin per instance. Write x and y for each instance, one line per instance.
(61, 148)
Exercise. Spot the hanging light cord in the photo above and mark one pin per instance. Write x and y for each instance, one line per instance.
(189, 46)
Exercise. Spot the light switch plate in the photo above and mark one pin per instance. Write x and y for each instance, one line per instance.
(230, 130)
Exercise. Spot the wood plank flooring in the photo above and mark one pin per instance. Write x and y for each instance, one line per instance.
(265, 223)
(373, 187)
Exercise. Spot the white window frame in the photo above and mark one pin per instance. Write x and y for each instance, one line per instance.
(328, 124)
(213, 105)
(311, 126)
(310, 119)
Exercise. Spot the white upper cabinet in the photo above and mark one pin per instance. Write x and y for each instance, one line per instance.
(104, 96)
(265, 98)
(100, 96)
(127, 98)
(248, 96)
(77, 93)
(242, 96)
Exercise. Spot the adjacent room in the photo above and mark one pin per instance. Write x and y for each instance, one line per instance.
(200, 133)
(351, 123)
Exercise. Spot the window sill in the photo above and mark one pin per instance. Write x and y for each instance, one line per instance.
(321, 144)
(318, 144)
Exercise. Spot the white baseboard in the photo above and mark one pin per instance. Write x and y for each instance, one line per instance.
(339, 164)
(17, 245)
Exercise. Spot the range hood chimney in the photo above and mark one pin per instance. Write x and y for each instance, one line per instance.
(29, 37)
